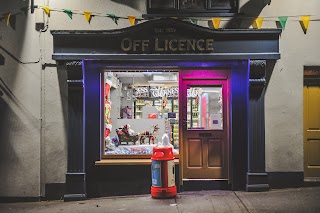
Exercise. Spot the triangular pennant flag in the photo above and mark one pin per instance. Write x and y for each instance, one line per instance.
(87, 15)
(68, 12)
(283, 21)
(46, 9)
(8, 19)
(113, 17)
(305, 22)
(258, 22)
(216, 22)
(132, 20)
(194, 21)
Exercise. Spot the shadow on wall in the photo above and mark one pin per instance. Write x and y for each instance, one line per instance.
(63, 87)
(11, 122)
(7, 154)
(13, 5)
(15, 119)
(135, 4)
(251, 10)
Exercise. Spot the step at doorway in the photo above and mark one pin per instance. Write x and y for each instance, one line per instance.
(205, 184)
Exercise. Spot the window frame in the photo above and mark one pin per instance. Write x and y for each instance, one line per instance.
(103, 155)
(208, 11)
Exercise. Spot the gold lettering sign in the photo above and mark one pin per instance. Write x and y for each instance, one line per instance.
(165, 45)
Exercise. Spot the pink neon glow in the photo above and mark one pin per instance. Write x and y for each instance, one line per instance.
(204, 74)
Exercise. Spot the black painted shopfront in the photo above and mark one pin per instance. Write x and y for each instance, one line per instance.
(248, 56)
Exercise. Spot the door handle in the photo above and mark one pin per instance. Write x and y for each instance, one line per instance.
(184, 122)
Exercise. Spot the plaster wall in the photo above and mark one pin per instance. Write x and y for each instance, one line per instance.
(32, 125)
(20, 108)
(284, 95)
(33, 141)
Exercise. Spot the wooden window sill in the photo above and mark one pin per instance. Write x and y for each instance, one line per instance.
(118, 162)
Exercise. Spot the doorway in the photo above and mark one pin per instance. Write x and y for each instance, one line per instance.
(311, 136)
(204, 125)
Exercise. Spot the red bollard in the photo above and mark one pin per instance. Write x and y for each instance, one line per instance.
(163, 173)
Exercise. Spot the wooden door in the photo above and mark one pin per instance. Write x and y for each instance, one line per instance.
(311, 131)
(204, 128)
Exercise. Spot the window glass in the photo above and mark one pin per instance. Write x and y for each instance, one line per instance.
(162, 4)
(219, 3)
(139, 107)
(192, 4)
(204, 108)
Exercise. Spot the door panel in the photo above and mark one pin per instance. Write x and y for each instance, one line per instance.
(194, 153)
(204, 128)
(312, 131)
(314, 156)
(215, 153)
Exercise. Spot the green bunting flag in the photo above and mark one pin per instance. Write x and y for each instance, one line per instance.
(113, 17)
(68, 12)
(194, 21)
(283, 21)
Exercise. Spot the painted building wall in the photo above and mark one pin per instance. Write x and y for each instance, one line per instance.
(20, 108)
(33, 119)
(284, 95)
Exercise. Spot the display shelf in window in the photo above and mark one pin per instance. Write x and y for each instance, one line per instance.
(192, 112)
(139, 104)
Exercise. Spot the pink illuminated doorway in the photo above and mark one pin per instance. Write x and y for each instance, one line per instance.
(204, 124)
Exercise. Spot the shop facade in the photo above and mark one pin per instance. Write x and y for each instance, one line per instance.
(53, 146)
(128, 87)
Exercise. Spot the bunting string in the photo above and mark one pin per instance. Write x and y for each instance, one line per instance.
(257, 22)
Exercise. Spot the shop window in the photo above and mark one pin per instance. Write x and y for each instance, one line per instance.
(191, 7)
(139, 108)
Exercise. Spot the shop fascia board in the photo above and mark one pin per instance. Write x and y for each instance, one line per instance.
(106, 45)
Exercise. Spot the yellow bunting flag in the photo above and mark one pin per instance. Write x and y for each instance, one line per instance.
(132, 20)
(258, 23)
(46, 9)
(305, 22)
(8, 19)
(216, 22)
(87, 15)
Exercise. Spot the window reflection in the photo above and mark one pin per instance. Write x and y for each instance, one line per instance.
(204, 108)
(139, 107)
